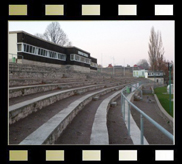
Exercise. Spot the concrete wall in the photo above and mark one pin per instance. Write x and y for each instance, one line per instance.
(163, 112)
(159, 80)
(69, 67)
(24, 61)
(78, 68)
(12, 44)
(127, 71)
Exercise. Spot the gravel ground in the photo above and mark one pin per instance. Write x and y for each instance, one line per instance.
(151, 133)
(117, 129)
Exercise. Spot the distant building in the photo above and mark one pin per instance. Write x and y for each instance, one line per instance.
(157, 76)
(137, 67)
(110, 66)
(31, 49)
(139, 73)
(118, 66)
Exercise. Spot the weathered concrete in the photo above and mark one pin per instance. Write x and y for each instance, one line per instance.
(113, 104)
(32, 81)
(52, 129)
(163, 112)
(134, 130)
(36, 63)
(95, 98)
(26, 90)
(23, 109)
(99, 134)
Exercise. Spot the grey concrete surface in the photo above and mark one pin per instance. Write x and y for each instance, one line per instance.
(99, 134)
(52, 129)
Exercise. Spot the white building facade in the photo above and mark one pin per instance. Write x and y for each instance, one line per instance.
(139, 73)
(156, 76)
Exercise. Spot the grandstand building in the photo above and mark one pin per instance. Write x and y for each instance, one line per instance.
(30, 49)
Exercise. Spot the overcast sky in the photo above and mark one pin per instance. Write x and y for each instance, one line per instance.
(118, 42)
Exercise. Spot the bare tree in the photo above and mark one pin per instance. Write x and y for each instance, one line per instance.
(55, 34)
(40, 36)
(143, 63)
(156, 50)
(160, 53)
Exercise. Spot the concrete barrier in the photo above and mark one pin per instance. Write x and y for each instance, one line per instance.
(50, 131)
(163, 112)
(99, 134)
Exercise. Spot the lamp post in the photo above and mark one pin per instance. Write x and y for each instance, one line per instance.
(170, 105)
(113, 65)
(101, 63)
(124, 67)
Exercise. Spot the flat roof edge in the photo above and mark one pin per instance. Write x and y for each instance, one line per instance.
(12, 32)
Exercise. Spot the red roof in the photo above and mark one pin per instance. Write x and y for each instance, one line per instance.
(138, 66)
(110, 65)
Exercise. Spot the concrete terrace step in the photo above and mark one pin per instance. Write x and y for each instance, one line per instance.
(50, 131)
(99, 134)
(30, 81)
(14, 68)
(26, 90)
(18, 65)
(23, 109)
(39, 74)
(27, 71)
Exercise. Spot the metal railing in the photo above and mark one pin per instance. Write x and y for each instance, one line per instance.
(142, 114)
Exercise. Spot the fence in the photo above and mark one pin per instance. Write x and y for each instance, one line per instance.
(142, 114)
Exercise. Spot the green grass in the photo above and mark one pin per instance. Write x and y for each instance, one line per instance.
(164, 98)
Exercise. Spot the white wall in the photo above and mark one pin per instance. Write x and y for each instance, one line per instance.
(146, 74)
(160, 80)
(12, 44)
(138, 73)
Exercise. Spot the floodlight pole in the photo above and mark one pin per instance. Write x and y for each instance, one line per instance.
(170, 110)
(124, 67)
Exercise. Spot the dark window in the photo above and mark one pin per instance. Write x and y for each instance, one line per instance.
(39, 51)
(33, 50)
(19, 47)
(30, 49)
(25, 47)
(27, 50)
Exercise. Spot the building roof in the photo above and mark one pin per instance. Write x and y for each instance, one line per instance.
(12, 32)
(138, 66)
(110, 66)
